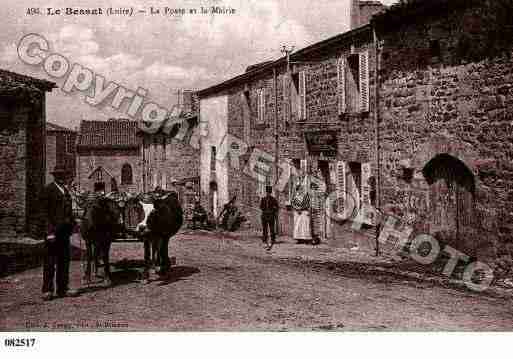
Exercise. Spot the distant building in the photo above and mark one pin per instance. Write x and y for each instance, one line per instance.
(109, 156)
(170, 157)
(60, 149)
(22, 153)
(118, 153)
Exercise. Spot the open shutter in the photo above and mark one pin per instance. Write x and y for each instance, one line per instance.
(261, 118)
(286, 96)
(302, 96)
(341, 81)
(164, 181)
(341, 186)
(366, 174)
(304, 166)
(366, 207)
(364, 81)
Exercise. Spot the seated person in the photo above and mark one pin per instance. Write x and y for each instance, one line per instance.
(198, 214)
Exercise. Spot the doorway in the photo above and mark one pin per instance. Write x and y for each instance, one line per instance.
(452, 189)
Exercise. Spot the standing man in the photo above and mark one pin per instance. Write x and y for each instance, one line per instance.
(56, 203)
(269, 207)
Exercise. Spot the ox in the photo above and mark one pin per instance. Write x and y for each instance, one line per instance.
(163, 219)
(100, 224)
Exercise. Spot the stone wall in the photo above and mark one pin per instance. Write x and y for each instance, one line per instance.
(51, 155)
(175, 160)
(447, 88)
(21, 169)
(60, 149)
(35, 169)
(112, 161)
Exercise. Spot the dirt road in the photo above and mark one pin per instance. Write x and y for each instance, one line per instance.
(229, 284)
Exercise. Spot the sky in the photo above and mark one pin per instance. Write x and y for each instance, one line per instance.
(162, 53)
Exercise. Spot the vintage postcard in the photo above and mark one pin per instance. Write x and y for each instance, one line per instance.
(262, 166)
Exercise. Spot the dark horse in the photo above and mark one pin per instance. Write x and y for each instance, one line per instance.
(163, 222)
(99, 227)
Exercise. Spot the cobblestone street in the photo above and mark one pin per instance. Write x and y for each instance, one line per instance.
(226, 283)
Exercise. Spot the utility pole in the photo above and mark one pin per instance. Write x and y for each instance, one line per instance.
(286, 50)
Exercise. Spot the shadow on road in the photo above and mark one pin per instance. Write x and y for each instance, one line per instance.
(128, 271)
(178, 273)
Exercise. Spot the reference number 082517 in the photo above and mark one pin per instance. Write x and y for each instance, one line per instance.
(20, 342)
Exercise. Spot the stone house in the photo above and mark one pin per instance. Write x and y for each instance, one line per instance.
(168, 157)
(314, 110)
(410, 114)
(22, 153)
(445, 120)
(60, 149)
(118, 153)
(109, 156)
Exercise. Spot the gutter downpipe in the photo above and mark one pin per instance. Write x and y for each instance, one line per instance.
(276, 145)
(376, 128)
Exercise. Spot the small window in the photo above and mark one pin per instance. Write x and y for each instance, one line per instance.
(261, 106)
(298, 94)
(407, 174)
(352, 83)
(164, 143)
(353, 77)
(126, 174)
(213, 157)
(434, 48)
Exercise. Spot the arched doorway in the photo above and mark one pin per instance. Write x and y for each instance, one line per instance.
(452, 189)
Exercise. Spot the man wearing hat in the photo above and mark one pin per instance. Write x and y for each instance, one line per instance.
(269, 207)
(57, 207)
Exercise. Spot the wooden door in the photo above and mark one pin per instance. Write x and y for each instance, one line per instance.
(452, 199)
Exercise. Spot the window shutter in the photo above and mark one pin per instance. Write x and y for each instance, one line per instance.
(365, 197)
(286, 96)
(341, 187)
(341, 77)
(366, 174)
(364, 81)
(302, 96)
(303, 166)
(261, 106)
(164, 181)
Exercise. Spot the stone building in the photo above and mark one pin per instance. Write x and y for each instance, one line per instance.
(22, 153)
(119, 154)
(410, 113)
(60, 149)
(445, 120)
(314, 111)
(168, 158)
(109, 156)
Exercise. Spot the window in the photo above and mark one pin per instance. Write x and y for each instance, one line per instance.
(353, 83)
(294, 177)
(434, 48)
(126, 174)
(164, 143)
(261, 106)
(246, 116)
(154, 148)
(298, 95)
(213, 157)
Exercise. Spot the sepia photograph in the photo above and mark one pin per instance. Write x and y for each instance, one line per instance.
(255, 166)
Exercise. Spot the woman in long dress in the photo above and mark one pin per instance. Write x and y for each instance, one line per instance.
(301, 205)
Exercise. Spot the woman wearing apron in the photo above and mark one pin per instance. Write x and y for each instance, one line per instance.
(301, 204)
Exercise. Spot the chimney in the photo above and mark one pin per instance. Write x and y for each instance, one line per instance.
(361, 12)
(185, 100)
(354, 14)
